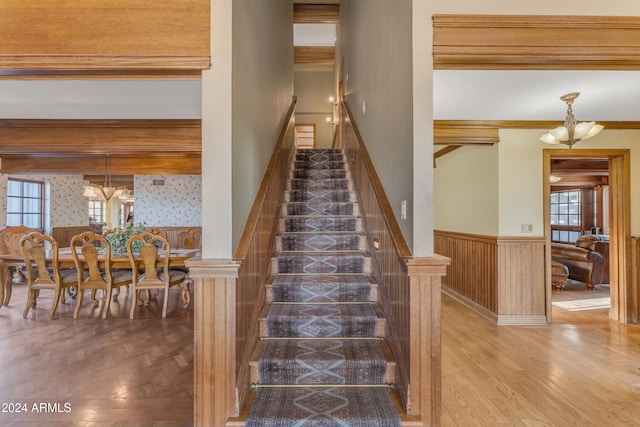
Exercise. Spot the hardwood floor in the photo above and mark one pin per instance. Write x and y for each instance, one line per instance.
(581, 371)
(113, 372)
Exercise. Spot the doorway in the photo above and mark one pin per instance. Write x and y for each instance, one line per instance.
(305, 135)
(619, 223)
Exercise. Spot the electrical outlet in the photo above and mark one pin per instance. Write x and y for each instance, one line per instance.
(364, 107)
(526, 228)
(403, 209)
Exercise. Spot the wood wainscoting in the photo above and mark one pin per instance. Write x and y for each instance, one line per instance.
(63, 235)
(501, 277)
(634, 297)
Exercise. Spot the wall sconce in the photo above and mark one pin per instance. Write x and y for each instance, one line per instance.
(331, 122)
(332, 100)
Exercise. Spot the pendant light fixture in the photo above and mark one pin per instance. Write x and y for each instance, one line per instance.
(572, 131)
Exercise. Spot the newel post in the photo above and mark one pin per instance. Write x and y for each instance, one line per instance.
(424, 396)
(214, 299)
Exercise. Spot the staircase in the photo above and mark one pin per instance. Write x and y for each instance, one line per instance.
(323, 360)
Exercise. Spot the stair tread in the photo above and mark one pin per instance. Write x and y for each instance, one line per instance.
(351, 406)
(332, 361)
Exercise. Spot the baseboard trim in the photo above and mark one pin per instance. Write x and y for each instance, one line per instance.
(469, 303)
(505, 320)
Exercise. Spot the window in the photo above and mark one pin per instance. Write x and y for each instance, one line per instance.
(566, 218)
(96, 211)
(25, 203)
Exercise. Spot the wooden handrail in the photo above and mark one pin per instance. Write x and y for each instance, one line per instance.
(252, 220)
(390, 218)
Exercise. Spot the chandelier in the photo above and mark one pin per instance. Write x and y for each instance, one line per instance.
(572, 131)
(107, 190)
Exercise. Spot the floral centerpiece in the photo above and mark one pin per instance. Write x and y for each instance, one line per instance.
(120, 235)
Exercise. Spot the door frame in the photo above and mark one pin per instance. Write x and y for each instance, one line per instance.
(621, 283)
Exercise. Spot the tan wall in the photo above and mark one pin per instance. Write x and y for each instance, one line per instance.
(465, 196)
(313, 89)
(521, 184)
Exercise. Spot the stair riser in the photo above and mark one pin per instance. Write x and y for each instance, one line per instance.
(320, 209)
(316, 242)
(320, 184)
(319, 224)
(301, 296)
(314, 264)
(377, 330)
(333, 157)
(342, 196)
(318, 174)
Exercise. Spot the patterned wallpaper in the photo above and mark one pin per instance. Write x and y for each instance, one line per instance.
(67, 206)
(176, 203)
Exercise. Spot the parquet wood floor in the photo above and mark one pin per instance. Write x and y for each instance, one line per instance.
(582, 370)
(96, 372)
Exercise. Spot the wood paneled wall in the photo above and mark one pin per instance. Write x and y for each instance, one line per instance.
(408, 287)
(133, 35)
(473, 273)
(63, 235)
(501, 277)
(521, 281)
(634, 297)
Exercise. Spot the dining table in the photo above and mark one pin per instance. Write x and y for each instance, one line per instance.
(177, 257)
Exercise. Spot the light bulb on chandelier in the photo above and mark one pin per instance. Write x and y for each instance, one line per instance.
(572, 131)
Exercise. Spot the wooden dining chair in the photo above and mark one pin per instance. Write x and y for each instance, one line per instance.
(151, 268)
(190, 238)
(10, 245)
(40, 254)
(92, 255)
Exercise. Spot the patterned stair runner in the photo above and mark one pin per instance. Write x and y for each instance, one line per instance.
(322, 362)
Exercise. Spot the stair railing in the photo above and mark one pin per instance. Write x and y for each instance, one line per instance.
(229, 294)
(408, 287)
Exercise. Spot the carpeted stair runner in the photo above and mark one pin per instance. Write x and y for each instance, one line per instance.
(323, 361)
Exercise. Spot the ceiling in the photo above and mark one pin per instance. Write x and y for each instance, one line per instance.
(535, 95)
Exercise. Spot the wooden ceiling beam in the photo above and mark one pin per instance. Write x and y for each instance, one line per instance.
(316, 13)
(527, 42)
(462, 133)
(324, 55)
(68, 137)
(121, 35)
(127, 164)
